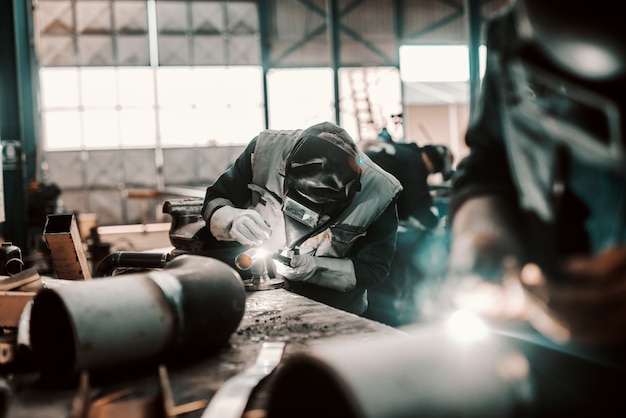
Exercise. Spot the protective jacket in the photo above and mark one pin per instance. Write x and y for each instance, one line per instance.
(371, 212)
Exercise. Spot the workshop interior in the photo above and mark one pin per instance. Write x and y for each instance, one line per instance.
(115, 117)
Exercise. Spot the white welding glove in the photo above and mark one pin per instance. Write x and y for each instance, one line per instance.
(301, 269)
(333, 273)
(245, 226)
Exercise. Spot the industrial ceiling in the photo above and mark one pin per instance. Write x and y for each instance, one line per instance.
(276, 34)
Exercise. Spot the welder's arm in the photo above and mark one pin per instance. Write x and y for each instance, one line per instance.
(483, 208)
(226, 201)
(231, 188)
(373, 253)
(485, 258)
(585, 303)
(484, 232)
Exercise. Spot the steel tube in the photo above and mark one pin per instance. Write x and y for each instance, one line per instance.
(422, 374)
(194, 303)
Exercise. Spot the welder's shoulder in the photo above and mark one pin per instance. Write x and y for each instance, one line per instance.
(377, 178)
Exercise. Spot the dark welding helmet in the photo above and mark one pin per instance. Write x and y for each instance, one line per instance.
(322, 175)
(441, 158)
(585, 39)
(570, 100)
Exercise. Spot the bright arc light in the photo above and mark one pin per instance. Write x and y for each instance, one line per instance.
(260, 253)
(466, 326)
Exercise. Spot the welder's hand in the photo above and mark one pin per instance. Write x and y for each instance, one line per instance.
(587, 304)
(485, 233)
(500, 301)
(302, 268)
(245, 226)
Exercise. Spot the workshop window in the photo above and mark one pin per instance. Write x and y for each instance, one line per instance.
(209, 105)
(299, 97)
(438, 63)
(109, 107)
(147, 73)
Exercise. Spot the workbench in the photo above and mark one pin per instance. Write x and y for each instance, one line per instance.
(270, 316)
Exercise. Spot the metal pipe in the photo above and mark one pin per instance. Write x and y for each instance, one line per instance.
(425, 373)
(131, 259)
(192, 305)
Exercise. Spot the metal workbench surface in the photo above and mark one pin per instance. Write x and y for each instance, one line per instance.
(270, 316)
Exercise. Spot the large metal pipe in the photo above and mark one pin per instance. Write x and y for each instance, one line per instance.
(423, 374)
(193, 304)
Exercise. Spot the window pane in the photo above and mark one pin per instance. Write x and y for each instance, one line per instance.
(101, 128)
(99, 87)
(136, 87)
(437, 63)
(138, 128)
(59, 87)
(210, 105)
(227, 85)
(299, 98)
(180, 126)
(175, 86)
(61, 130)
(237, 125)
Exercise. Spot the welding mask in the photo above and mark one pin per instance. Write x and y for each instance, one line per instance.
(322, 175)
(571, 98)
(583, 39)
(559, 96)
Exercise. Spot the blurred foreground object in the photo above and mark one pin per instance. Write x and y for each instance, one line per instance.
(10, 259)
(538, 208)
(192, 305)
(125, 404)
(428, 373)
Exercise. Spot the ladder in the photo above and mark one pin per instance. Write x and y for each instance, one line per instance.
(359, 87)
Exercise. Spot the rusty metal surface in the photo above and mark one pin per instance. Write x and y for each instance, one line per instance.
(63, 239)
(276, 315)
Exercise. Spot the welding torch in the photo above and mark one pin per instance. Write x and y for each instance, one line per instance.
(285, 255)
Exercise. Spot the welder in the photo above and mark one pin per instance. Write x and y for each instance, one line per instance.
(419, 258)
(539, 206)
(317, 202)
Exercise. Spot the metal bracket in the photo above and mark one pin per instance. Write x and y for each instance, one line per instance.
(231, 400)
